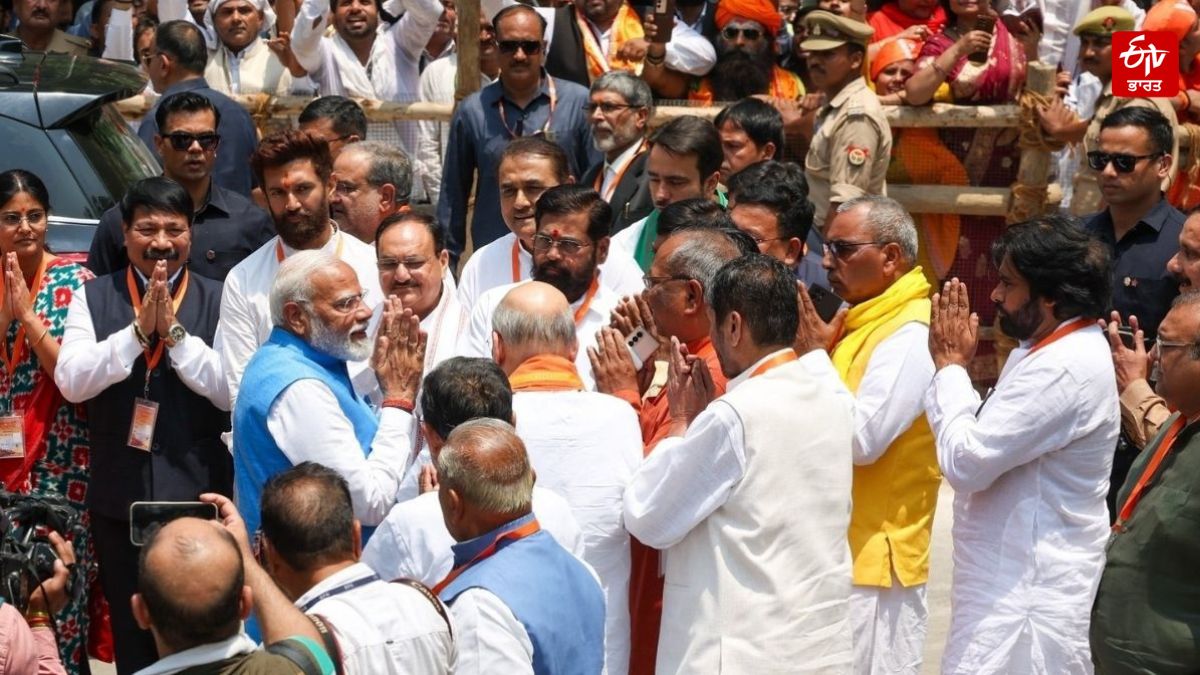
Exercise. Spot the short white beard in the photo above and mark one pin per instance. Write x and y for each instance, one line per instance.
(326, 340)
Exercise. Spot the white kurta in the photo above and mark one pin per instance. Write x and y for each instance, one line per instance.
(585, 446)
(382, 628)
(254, 70)
(413, 542)
(491, 266)
(437, 86)
(1030, 471)
(477, 340)
(246, 308)
(489, 636)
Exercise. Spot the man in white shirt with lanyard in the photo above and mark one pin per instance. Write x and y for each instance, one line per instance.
(528, 167)
(1029, 463)
(413, 541)
(295, 171)
(749, 497)
(621, 108)
(310, 545)
(570, 244)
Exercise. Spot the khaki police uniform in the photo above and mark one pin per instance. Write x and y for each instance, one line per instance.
(852, 142)
(1086, 197)
(63, 43)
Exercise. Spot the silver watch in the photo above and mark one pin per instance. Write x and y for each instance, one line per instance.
(176, 333)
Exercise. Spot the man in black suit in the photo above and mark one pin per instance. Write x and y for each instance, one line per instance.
(620, 110)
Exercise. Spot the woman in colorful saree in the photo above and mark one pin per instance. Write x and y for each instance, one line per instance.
(43, 438)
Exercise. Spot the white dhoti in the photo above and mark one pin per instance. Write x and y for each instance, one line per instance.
(889, 628)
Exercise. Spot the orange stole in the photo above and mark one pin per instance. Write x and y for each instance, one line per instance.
(626, 26)
(546, 372)
(920, 158)
(784, 84)
(1185, 191)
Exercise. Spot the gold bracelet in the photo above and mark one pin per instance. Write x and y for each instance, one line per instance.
(34, 344)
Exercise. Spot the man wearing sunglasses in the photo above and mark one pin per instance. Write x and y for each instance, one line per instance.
(226, 228)
(746, 56)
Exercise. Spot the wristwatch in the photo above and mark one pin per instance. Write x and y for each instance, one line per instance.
(176, 334)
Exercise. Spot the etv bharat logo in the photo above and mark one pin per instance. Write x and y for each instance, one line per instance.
(1145, 64)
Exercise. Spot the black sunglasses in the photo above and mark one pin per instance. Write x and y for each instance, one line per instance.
(182, 141)
(1122, 162)
(750, 34)
(530, 47)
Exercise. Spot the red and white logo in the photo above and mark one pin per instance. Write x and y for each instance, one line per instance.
(1145, 64)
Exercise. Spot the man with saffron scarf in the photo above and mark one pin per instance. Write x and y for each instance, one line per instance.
(880, 351)
(746, 56)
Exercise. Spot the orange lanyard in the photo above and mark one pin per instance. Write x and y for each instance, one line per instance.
(549, 118)
(1060, 333)
(612, 187)
(18, 348)
(279, 256)
(1139, 488)
(516, 260)
(153, 359)
(516, 534)
(587, 301)
(774, 362)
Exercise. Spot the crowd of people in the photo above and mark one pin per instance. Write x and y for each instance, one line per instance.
(554, 387)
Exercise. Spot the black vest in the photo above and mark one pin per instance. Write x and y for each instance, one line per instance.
(566, 60)
(188, 456)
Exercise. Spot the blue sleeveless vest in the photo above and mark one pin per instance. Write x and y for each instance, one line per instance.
(281, 361)
(550, 592)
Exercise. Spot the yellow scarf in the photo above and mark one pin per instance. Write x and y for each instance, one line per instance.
(904, 301)
(546, 372)
(626, 26)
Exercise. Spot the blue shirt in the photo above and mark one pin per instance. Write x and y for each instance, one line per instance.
(478, 136)
(239, 137)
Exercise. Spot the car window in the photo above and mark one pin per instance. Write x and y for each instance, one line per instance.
(28, 148)
(118, 157)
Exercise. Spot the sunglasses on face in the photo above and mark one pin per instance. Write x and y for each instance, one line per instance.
(182, 141)
(751, 34)
(1122, 162)
(528, 46)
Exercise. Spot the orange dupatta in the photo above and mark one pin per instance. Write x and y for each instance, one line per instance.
(784, 84)
(626, 26)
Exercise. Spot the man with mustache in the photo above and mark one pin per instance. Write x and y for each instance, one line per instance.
(570, 242)
(621, 107)
(371, 181)
(39, 32)
(296, 174)
(746, 56)
(242, 63)
(441, 42)
(299, 403)
(139, 351)
(1030, 463)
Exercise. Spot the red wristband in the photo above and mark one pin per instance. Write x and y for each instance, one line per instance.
(401, 403)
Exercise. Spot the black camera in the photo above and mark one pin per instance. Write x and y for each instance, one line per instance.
(26, 554)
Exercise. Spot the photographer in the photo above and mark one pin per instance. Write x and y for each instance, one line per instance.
(29, 640)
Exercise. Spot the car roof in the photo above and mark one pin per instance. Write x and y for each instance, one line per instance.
(48, 90)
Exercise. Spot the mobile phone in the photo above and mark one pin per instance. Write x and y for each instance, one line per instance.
(987, 24)
(1127, 337)
(663, 17)
(641, 347)
(144, 517)
(826, 302)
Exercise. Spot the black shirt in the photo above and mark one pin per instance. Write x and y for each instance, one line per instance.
(1141, 284)
(226, 229)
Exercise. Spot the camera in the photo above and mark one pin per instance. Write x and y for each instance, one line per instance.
(26, 554)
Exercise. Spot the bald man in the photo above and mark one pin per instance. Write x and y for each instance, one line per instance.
(520, 602)
(195, 582)
(584, 445)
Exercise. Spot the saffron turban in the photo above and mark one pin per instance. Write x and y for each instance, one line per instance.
(900, 49)
(761, 11)
(1174, 16)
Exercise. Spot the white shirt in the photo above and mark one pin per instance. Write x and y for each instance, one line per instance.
(86, 367)
(246, 308)
(437, 85)
(382, 627)
(688, 51)
(413, 542)
(1030, 472)
(627, 239)
(218, 651)
(586, 446)
(307, 424)
(477, 341)
(489, 637)
(491, 266)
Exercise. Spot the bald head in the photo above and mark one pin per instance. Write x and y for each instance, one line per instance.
(190, 578)
(484, 476)
(533, 318)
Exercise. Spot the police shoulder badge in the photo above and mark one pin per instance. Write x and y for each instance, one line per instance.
(857, 155)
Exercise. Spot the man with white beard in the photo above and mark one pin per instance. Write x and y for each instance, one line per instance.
(619, 111)
(298, 403)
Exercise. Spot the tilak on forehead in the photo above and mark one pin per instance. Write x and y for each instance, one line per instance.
(554, 233)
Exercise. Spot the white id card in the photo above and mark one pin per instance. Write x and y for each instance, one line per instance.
(141, 429)
(12, 436)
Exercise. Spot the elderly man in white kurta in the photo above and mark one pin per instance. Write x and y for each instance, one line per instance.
(1030, 463)
(583, 445)
(242, 63)
(750, 495)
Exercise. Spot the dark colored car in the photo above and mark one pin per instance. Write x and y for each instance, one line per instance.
(58, 119)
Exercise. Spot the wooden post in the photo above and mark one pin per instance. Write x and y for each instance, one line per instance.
(1033, 173)
(467, 80)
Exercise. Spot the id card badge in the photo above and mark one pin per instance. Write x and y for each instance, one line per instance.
(141, 429)
(12, 436)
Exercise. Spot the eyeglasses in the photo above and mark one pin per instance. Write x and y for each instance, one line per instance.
(181, 140)
(542, 243)
(844, 249)
(751, 34)
(652, 282)
(762, 240)
(32, 218)
(349, 303)
(530, 47)
(392, 264)
(1122, 162)
(1160, 344)
(606, 108)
